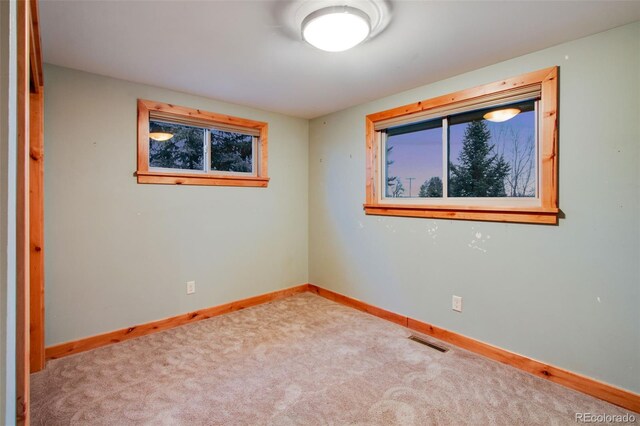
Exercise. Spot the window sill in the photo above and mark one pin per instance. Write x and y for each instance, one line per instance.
(489, 213)
(200, 179)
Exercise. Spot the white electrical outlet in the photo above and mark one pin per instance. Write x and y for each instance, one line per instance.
(456, 303)
(191, 287)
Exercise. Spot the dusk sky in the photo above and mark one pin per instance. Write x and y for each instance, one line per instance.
(419, 154)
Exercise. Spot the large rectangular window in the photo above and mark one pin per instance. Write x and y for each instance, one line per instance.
(487, 153)
(178, 145)
(464, 156)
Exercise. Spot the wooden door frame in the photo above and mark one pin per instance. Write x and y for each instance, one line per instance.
(36, 197)
(29, 206)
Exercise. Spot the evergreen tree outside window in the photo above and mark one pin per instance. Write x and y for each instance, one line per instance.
(431, 188)
(231, 152)
(488, 159)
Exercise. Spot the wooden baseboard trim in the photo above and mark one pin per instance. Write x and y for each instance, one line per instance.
(93, 342)
(357, 304)
(604, 391)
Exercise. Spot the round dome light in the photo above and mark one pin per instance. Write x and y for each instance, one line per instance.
(336, 28)
(500, 115)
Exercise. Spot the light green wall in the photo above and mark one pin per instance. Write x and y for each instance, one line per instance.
(119, 253)
(568, 295)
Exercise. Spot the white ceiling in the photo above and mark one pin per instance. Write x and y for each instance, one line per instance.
(250, 52)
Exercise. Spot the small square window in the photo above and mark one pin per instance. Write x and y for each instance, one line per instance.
(178, 145)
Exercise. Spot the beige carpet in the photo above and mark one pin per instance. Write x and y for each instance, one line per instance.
(298, 361)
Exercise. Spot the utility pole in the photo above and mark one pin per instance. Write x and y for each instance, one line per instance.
(410, 180)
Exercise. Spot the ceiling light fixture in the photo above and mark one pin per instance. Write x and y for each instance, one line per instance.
(160, 136)
(500, 115)
(336, 28)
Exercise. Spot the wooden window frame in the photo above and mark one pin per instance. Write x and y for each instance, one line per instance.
(145, 174)
(545, 213)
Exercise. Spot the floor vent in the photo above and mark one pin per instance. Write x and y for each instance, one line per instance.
(424, 342)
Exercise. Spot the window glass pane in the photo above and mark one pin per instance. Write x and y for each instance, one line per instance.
(414, 160)
(231, 152)
(493, 159)
(176, 146)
